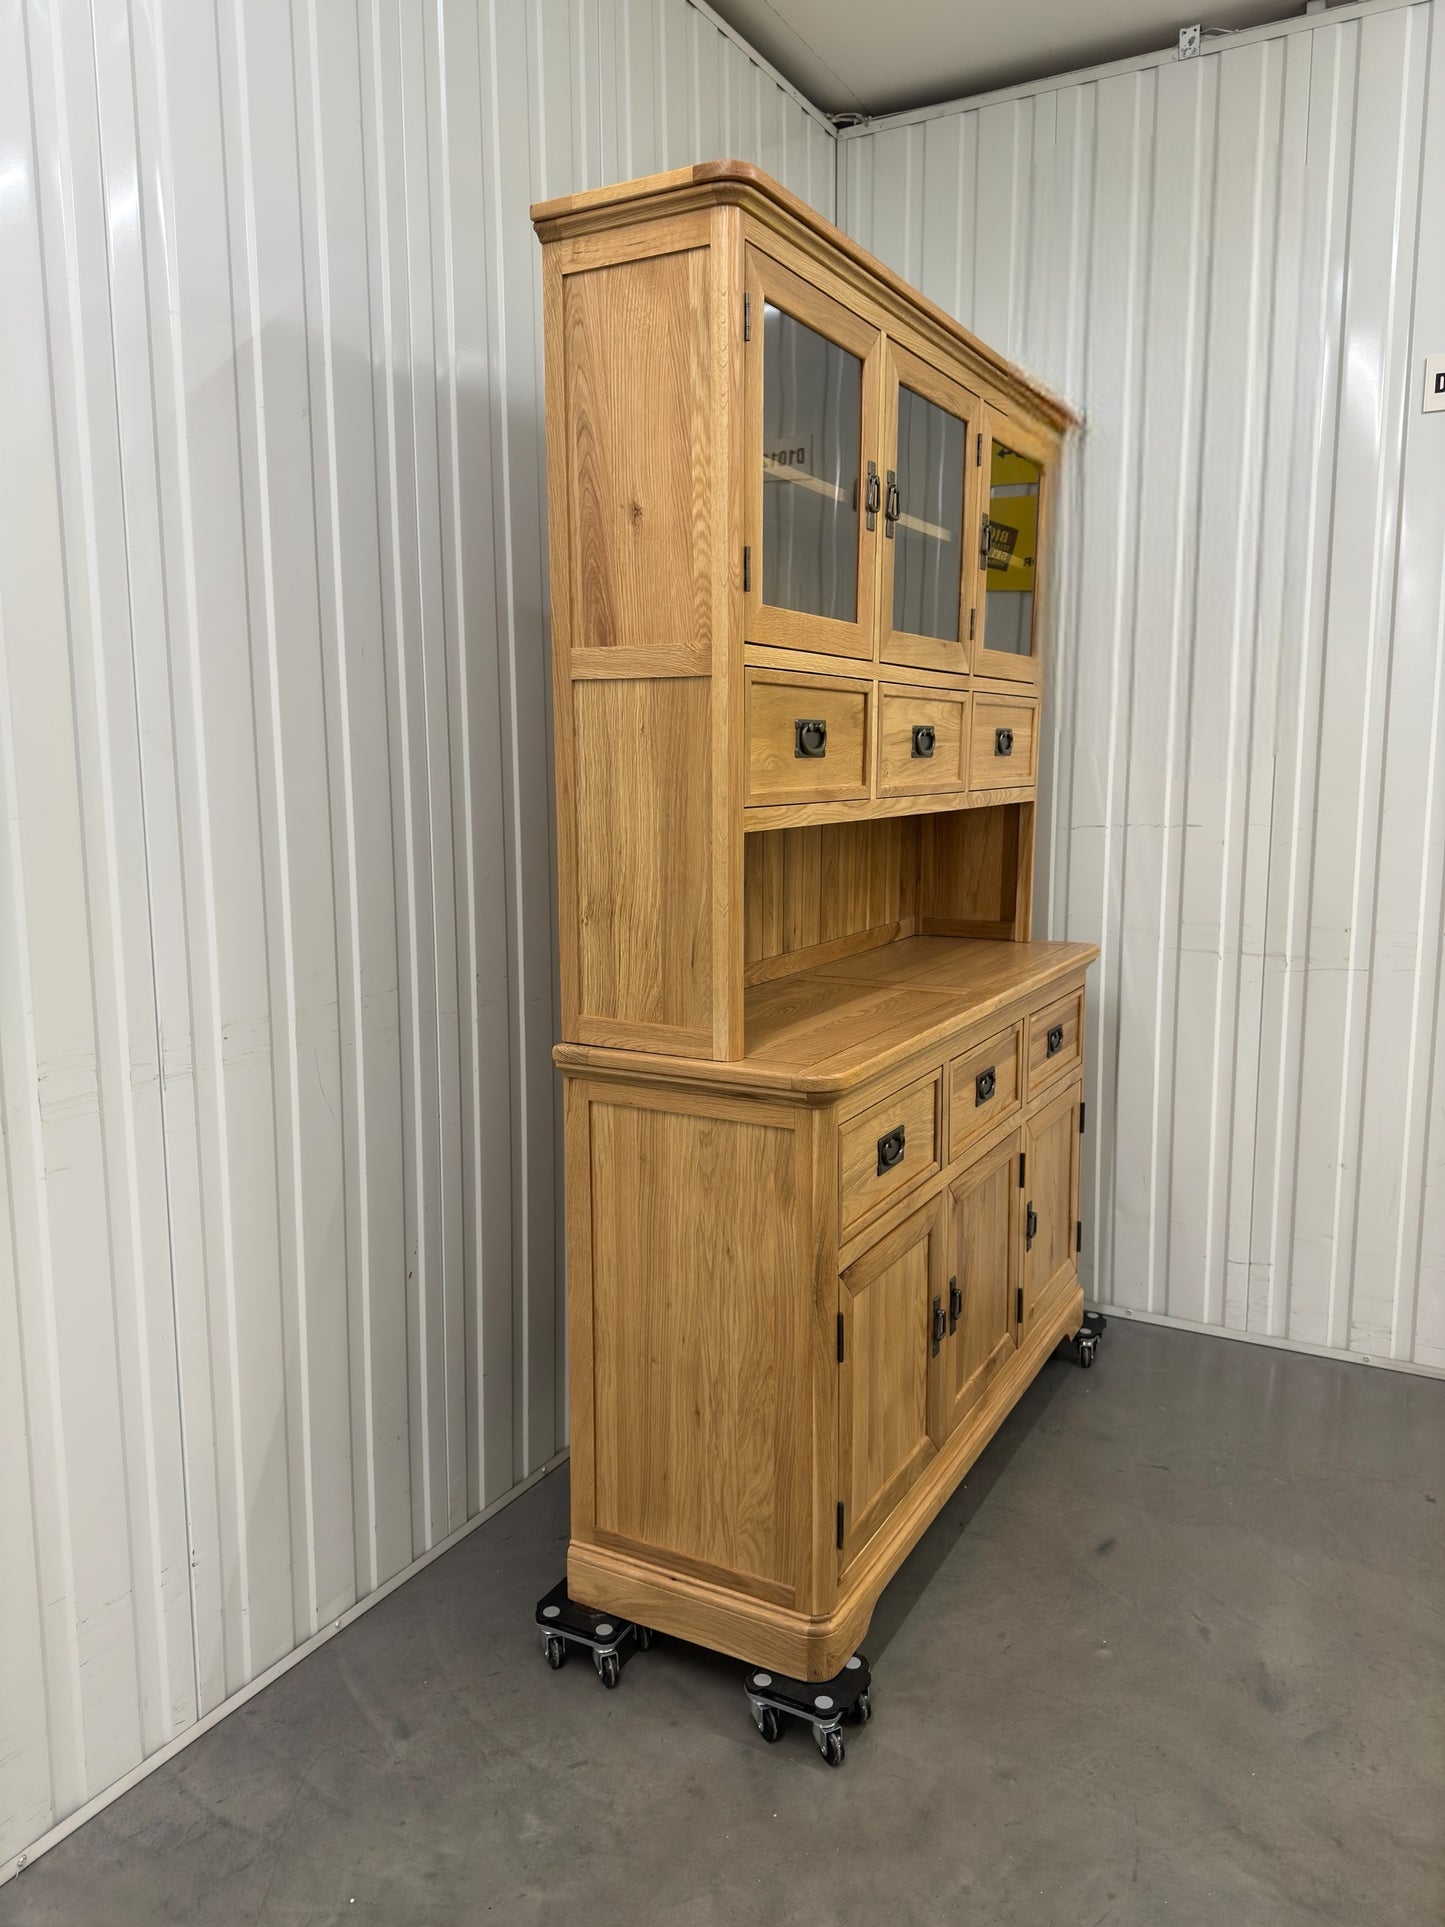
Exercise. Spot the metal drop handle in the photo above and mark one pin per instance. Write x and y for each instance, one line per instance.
(924, 737)
(890, 1150)
(810, 736)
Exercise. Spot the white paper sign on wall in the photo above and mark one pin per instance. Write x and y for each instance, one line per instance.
(1434, 383)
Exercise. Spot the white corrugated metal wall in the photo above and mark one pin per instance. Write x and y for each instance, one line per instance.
(279, 1292)
(1228, 262)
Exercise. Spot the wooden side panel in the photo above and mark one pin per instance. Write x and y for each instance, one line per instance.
(1051, 1146)
(642, 926)
(890, 1417)
(640, 451)
(825, 890)
(975, 872)
(984, 1255)
(699, 1331)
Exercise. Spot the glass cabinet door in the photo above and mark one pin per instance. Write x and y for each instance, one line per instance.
(929, 436)
(1009, 553)
(812, 406)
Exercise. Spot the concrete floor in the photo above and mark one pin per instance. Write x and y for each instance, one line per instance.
(1174, 1654)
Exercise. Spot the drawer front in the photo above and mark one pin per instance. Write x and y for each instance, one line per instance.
(985, 1087)
(1056, 1041)
(886, 1150)
(1004, 746)
(922, 742)
(807, 738)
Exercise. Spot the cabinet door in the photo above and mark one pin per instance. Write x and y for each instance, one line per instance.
(1051, 1204)
(931, 429)
(983, 1283)
(890, 1392)
(1012, 529)
(812, 511)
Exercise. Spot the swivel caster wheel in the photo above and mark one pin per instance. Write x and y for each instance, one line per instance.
(862, 1710)
(556, 1651)
(770, 1724)
(609, 1669)
(1086, 1347)
(643, 1637)
(564, 1623)
(823, 1704)
(830, 1745)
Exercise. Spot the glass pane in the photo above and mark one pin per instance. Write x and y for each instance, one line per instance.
(928, 528)
(1013, 527)
(812, 409)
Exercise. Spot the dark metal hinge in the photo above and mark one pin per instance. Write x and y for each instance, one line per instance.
(747, 317)
(1081, 1117)
(840, 1338)
(1019, 1306)
(1022, 1162)
(978, 452)
(1078, 1234)
(747, 569)
(972, 622)
(840, 1525)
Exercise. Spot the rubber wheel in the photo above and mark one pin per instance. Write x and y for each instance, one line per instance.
(556, 1651)
(643, 1636)
(1086, 1357)
(771, 1725)
(862, 1709)
(609, 1670)
(833, 1749)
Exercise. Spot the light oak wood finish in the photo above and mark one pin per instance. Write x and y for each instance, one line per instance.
(912, 766)
(985, 1088)
(804, 1286)
(983, 1257)
(1013, 428)
(1004, 742)
(808, 737)
(1055, 1041)
(887, 1151)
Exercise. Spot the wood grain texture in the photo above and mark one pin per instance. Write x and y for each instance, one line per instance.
(890, 1414)
(776, 703)
(1064, 1016)
(1051, 1147)
(970, 1116)
(902, 771)
(989, 767)
(973, 872)
(642, 917)
(772, 209)
(983, 1260)
(915, 1111)
(820, 892)
(641, 454)
(696, 1250)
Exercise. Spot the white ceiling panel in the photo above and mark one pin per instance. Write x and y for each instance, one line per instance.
(863, 57)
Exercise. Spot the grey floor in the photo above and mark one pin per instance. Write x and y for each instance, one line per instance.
(1174, 1654)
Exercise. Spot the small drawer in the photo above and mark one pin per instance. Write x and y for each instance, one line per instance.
(985, 1087)
(1056, 1040)
(922, 741)
(1004, 743)
(807, 738)
(886, 1150)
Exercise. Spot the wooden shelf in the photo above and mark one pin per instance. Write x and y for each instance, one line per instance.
(826, 1030)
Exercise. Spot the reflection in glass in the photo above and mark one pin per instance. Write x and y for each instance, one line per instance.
(928, 529)
(1013, 528)
(812, 409)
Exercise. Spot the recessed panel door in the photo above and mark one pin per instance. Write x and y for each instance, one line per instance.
(814, 495)
(931, 437)
(1009, 559)
(890, 1418)
(983, 1277)
(1051, 1205)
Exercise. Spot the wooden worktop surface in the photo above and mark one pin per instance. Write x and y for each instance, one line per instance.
(829, 1029)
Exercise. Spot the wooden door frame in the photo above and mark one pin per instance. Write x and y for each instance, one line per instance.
(766, 282)
(1067, 1100)
(999, 665)
(929, 1221)
(904, 369)
(1001, 1148)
